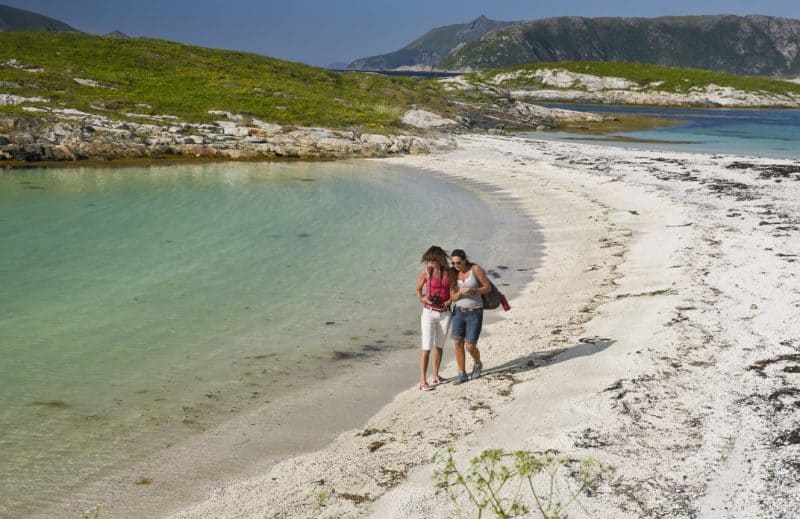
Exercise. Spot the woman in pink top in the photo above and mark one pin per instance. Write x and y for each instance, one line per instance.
(437, 279)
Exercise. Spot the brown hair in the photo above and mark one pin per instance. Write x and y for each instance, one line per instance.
(463, 255)
(439, 255)
(436, 254)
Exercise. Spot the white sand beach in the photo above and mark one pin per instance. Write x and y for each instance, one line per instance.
(659, 335)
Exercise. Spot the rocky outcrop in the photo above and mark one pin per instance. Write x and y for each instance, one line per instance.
(711, 96)
(507, 114)
(70, 135)
(587, 88)
(560, 78)
(11, 100)
(504, 112)
(64, 134)
(426, 119)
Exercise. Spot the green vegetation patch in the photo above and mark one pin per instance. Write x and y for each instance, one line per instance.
(156, 77)
(672, 79)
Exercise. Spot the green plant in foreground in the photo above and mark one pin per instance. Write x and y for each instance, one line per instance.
(93, 513)
(320, 501)
(494, 481)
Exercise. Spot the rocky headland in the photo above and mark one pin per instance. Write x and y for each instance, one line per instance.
(560, 85)
(73, 135)
(67, 135)
(69, 107)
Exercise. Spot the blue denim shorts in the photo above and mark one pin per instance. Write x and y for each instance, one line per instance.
(466, 326)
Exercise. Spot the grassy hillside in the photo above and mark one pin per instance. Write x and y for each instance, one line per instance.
(668, 79)
(157, 77)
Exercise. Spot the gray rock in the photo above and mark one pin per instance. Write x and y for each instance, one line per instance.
(60, 152)
(426, 119)
(239, 131)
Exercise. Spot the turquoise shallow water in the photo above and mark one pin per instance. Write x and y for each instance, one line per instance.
(767, 133)
(139, 305)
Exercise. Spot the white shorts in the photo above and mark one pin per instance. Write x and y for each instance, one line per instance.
(435, 326)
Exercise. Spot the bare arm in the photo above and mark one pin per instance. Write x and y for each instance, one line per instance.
(455, 295)
(455, 291)
(423, 278)
(484, 281)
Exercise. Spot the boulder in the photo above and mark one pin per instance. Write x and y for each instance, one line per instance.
(426, 119)
(60, 152)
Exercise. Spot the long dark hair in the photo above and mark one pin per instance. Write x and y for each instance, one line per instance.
(463, 255)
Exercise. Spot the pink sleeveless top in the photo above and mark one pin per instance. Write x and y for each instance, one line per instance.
(438, 287)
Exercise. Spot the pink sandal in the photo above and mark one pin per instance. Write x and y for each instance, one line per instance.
(425, 387)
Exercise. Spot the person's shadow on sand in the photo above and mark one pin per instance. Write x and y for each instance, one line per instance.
(586, 346)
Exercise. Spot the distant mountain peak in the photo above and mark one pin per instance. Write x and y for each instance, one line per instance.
(117, 34)
(480, 22)
(431, 47)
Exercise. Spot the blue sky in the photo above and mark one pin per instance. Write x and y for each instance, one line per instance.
(321, 32)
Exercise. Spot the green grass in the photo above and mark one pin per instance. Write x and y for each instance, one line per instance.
(157, 77)
(678, 80)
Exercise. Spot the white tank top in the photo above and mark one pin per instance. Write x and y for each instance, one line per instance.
(471, 300)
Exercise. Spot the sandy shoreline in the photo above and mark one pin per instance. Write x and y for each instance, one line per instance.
(692, 390)
(659, 335)
(302, 414)
(365, 463)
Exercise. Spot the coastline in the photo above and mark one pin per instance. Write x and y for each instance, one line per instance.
(298, 419)
(400, 428)
(653, 336)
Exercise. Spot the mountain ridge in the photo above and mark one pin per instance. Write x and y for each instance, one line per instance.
(15, 19)
(431, 47)
(752, 44)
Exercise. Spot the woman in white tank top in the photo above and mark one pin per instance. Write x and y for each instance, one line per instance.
(468, 313)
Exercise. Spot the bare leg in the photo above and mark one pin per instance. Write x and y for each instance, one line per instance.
(460, 357)
(437, 362)
(474, 353)
(423, 366)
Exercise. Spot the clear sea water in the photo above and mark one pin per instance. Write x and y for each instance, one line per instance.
(765, 133)
(139, 305)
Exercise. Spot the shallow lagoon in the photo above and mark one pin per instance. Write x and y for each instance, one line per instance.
(141, 305)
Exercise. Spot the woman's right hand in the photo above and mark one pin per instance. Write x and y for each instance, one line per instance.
(426, 301)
